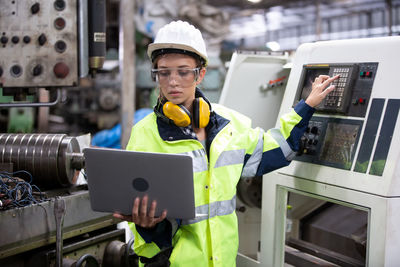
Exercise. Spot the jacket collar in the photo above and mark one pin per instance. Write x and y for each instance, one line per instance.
(170, 132)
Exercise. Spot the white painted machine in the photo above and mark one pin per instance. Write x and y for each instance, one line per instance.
(338, 203)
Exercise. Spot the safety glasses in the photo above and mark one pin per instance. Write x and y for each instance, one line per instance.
(185, 76)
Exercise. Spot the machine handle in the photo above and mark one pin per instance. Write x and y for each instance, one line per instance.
(90, 261)
(59, 212)
(39, 104)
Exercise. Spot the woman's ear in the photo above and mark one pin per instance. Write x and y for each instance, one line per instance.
(202, 73)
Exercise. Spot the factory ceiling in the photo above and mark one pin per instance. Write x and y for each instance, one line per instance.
(246, 4)
(254, 19)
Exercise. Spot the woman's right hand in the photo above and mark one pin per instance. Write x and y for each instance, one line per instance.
(140, 216)
(320, 89)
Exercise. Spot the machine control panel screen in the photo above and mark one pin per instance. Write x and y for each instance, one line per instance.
(352, 89)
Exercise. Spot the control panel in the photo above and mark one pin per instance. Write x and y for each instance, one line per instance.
(38, 43)
(332, 141)
(352, 90)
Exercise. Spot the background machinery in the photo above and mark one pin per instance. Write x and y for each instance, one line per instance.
(48, 48)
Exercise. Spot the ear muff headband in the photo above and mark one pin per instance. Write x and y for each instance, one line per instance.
(177, 113)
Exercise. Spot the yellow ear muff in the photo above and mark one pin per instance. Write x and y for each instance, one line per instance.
(177, 113)
(201, 113)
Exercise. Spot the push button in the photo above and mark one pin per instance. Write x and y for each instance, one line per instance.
(59, 5)
(60, 46)
(26, 39)
(4, 39)
(16, 70)
(59, 23)
(61, 70)
(15, 39)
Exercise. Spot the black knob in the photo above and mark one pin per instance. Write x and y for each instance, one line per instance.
(42, 39)
(16, 70)
(37, 70)
(1, 71)
(15, 39)
(26, 39)
(314, 130)
(4, 39)
(59, 5)
(35, 8)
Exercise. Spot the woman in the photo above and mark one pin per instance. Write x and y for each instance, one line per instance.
(222, 144)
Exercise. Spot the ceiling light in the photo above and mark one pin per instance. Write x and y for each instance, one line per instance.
(274, 46)
(254, 1)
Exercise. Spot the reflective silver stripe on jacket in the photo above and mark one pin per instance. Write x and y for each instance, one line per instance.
(230, 157)
(218, 208)
(287, 151)
(250, 169)
(199, 160)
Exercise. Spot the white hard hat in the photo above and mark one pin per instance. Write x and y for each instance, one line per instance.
(181, 37)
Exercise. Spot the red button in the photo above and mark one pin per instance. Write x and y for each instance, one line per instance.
(369, 74)
(61, 70)
(361, 100)
(59, 23)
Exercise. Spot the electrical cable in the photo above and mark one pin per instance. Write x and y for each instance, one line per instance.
(16, 192)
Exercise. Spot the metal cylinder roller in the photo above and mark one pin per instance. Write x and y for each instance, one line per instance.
(48, 157)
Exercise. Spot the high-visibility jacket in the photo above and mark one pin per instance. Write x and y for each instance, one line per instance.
(233, 150)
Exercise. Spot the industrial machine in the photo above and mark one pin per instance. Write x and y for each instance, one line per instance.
(49, 45)
(45, 214)
(336, 203)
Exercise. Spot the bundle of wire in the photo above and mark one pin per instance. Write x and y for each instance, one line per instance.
(16, 192)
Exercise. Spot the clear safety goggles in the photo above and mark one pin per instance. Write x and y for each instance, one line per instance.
(181, 75)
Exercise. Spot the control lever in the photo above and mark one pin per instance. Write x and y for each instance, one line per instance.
(59, 213)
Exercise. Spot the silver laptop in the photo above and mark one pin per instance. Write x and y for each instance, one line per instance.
(116, 177)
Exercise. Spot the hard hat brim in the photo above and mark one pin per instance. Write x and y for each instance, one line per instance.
(157, 46)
